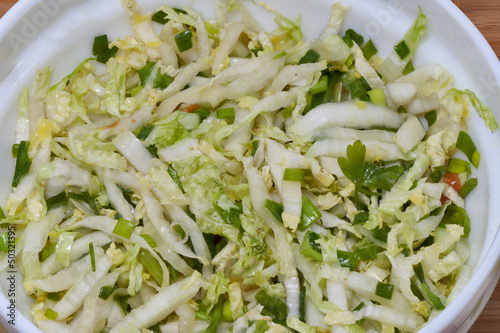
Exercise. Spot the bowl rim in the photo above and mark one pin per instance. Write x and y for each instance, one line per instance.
(486, 268)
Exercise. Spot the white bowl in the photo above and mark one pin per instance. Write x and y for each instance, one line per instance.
(59, 34)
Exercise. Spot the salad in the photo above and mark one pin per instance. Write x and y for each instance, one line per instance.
(204, 175)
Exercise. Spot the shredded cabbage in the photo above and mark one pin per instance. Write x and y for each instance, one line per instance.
(213, 177)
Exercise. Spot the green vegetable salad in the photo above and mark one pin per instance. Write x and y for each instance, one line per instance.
(206, 176)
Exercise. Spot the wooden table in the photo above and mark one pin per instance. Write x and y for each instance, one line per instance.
(486, 16)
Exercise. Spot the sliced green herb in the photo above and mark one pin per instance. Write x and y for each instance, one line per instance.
(151, 265)
(369, 50)
(402, 50)
(50, 314)
(106, 291)
(23, 163)
(431, 117)
(457, 215)
(160, 17)
(183, 40)
(360, 218)
(92, 256)
(436, 301)
(225, 113)
(145, 72)
(456, 165)
(161, 80)
(320, 87)
(175, 177)
(468, 187)
(465, 144)
(408, 68)
(124, 228)
(275, 208)
(59, 200)
(294, 175)
(311, 56)
(151, 242)
(384, 290)
(216, 316)
(309, 213)
(367, 252)
(310, 248)
(348, 259)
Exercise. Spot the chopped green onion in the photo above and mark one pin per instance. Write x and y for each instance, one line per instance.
(321, 86)
(384, 290)
(133, 92)
(151, 242)
(302, 304)
(216, 317)
(23, 163)
(294, 175)
(465, 144)
(468, 187)
(54, 296)
(175, 177)
(309, 213)
(408, 68)
(151, 265)
(359, 306)
(106, 291)
(50, 314)
(377, 96)
(457, 215)
(431, 117)
(438, 173)
(367, 252)
(100, 45)
(227, 316)
(402, 50)
(419, 272)
(225, 113)
(4, 242)
(360, 218)
(436, 302)
(122, 301)
(124, 228)
(203, 113)
(352, 36)
(416, 291)
(255, 52)
(57, 201)
(380, 234)
(92, 256)
(275, 208)
(144, 132)
(15, 149)
(107, 54)
(161, 80)
(160, 17)
(369, 50)
(145, 72)
(456, 165)
(311, 56)
(183, 40)
(255, 146)
(173, 273)
(348, 259)
(179, 11)
(309, 248)
(359, 89)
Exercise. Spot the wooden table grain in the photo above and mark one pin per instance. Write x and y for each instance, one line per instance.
(485, 14)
